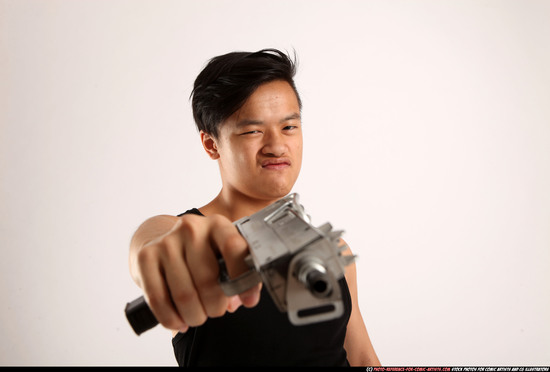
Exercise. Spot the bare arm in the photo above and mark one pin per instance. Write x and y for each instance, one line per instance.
(357, 343)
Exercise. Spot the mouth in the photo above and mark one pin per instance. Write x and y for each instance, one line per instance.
(276, 164)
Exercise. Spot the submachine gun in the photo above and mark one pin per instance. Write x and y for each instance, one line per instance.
(298, 263)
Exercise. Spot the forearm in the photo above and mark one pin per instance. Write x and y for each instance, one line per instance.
(151, 229)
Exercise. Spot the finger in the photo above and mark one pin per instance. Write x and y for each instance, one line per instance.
(179, 279)
(234, 303)
(234, 248)
(231, 245)
(251, 297)
(204, 269)
(155, 290)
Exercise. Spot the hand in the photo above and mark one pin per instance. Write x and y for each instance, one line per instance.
(178, 270)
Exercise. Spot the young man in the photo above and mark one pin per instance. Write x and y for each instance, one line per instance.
(247, 110)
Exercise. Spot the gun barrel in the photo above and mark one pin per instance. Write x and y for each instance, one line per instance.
(313, 274)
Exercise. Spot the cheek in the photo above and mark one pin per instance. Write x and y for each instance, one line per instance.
(298, 148)
(243, 156)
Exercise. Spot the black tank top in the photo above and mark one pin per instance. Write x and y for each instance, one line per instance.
(263, 336)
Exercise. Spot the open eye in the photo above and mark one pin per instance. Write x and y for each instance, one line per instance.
(291, 128)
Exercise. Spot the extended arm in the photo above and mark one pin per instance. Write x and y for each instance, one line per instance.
(174, 261)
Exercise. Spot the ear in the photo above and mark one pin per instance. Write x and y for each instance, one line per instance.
(210, 145)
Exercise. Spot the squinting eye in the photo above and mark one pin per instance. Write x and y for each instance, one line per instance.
(290, 127)
(250, 132)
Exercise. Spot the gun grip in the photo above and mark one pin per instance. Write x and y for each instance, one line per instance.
(140, 316)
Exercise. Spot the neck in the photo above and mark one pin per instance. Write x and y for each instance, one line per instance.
(235, 205)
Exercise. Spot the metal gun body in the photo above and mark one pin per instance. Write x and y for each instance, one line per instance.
(299, 264)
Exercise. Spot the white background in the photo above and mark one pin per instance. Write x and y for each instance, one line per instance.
(427, 138)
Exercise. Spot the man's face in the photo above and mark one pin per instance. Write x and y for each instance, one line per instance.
(260, 145)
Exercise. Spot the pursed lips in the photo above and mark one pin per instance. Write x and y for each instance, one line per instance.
(275, 164)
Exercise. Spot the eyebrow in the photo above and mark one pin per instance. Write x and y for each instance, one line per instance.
(245, 122)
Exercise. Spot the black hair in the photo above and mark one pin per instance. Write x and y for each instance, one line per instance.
(227, 81)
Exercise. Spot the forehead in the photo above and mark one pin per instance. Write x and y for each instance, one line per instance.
(273, 101)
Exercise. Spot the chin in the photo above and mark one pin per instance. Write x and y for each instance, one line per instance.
(273, 192)
(272, 188)
(280, 192)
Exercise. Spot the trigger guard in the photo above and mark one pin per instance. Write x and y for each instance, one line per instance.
(240, 284)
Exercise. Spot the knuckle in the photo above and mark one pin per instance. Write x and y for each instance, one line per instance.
(166, 250)
(188, 232)
(170, 247)
(156, 302)
(218, 221)
(168, 319)
(146, 255)
(197, 319)
(172, 322)
(205, 277)
(185, 297)
(187, 225)
(233, 244)
(216, 309)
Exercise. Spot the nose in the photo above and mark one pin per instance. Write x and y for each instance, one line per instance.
(274, 144)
